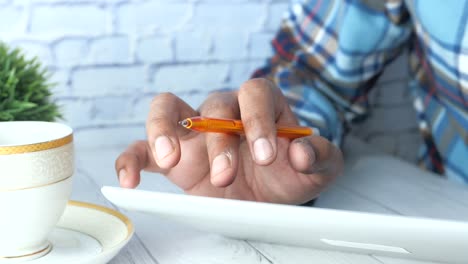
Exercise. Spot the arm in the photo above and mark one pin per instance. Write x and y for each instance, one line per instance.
(329, 54)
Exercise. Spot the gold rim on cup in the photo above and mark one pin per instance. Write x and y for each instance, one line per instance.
(9, 150)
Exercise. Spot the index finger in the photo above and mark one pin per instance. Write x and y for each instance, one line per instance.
(162, 128)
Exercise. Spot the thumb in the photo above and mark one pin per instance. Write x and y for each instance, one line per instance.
(316, 155)
(137, 157)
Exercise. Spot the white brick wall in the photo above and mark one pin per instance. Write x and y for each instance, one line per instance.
(154, 49)
(12, 19)
(70, 52)
(392, 125)
(108, 80)
(152, 16)
(189, 77)
(110, 57)
(109, 50)
(74, 19)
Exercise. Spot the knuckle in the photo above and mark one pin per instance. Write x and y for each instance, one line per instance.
(252, 120)
(256, 85)
(215, 139)
(259, 82)
(215, 106)
(219, 138)
(219, 142)
(320, 182)
(219, 102)
(157, 125)
(158, 122)
(216, 95)
(163, 97)
(122, 159)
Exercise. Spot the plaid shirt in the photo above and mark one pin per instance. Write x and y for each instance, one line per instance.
(329, 54)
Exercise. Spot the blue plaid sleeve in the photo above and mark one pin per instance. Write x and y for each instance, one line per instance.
(328, 54)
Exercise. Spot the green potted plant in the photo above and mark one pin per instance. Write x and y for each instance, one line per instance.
(25, 90)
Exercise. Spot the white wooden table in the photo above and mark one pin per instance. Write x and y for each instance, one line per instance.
(400, 190)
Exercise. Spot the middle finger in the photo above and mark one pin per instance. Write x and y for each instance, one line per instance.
(223, 149)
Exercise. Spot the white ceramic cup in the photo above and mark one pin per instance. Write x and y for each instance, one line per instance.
(36, 169)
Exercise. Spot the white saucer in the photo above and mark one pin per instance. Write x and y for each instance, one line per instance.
(87, 234)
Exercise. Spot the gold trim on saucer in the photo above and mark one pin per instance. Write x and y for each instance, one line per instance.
(106, 210)
(41, 252)
(8, 150)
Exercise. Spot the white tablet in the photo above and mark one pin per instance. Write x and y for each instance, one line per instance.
(366, 233)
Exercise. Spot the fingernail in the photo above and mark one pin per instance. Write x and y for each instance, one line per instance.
(163, 147)
(308, 149)
(262, 149)
(221, 163)
(122, 176)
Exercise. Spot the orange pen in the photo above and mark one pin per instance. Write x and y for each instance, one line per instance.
(230, 126)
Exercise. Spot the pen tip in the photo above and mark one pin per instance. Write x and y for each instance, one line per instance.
(185, 123)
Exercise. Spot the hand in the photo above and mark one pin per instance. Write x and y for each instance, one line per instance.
(259, 166)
